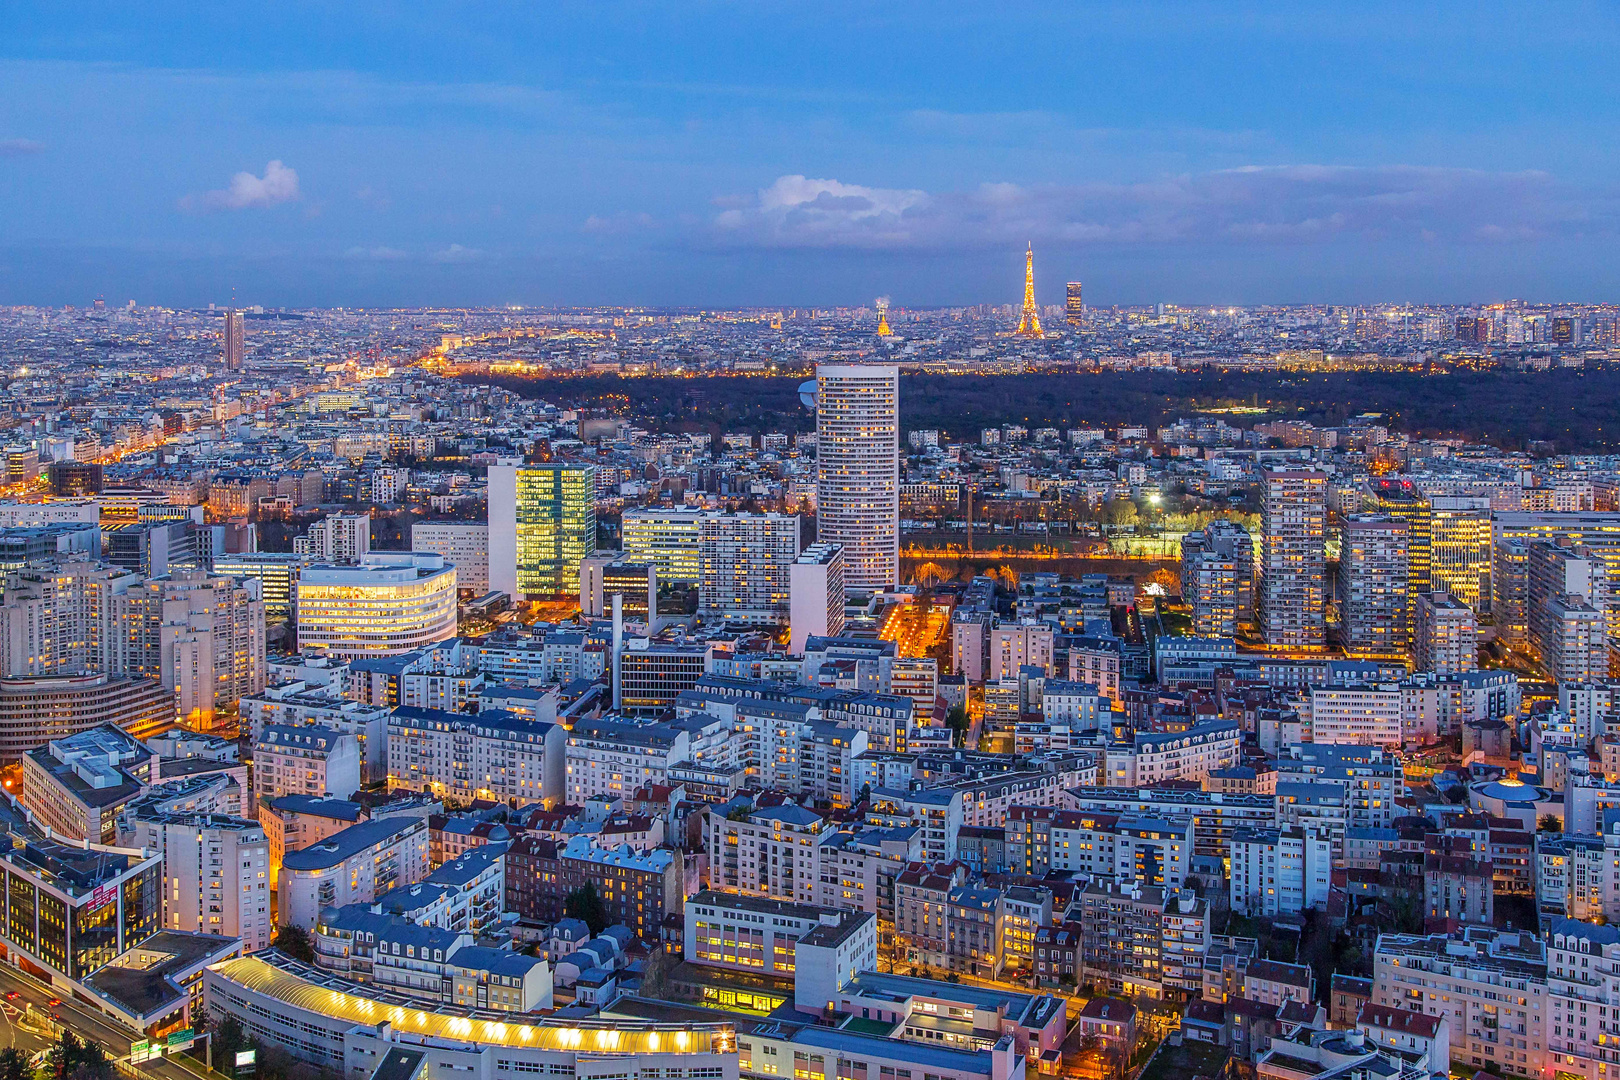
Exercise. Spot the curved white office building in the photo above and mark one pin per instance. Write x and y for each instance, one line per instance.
(858, 470)
(352, 1029)
(392, 602)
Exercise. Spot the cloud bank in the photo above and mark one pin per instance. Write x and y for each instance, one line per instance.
(1296, 204)
(19, 147)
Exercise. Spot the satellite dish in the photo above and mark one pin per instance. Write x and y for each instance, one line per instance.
(807, 394)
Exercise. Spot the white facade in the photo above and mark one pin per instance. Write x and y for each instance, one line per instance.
(816, 595)
(745, 563)
(392, 602)
(1446, 637)
(858, 470)
(354, 866)
(1368, 715)
(462, 757)
(216, 873)
(305, 760)
(464, 545)
(1279, 871)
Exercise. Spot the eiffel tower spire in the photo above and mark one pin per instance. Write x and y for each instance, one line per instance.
(1030, 324)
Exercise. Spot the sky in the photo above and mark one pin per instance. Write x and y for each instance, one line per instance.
(773, 154)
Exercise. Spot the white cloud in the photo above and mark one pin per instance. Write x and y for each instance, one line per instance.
(379, 253)
(455, 253)
(1253, 205)
(19, 147)
(279, 184)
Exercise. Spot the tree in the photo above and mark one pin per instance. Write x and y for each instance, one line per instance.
(585, 904)
(1549, 823)
(294, 942)
(958, 721)
(74, 1059)
(1120, 512)
(14, 1065)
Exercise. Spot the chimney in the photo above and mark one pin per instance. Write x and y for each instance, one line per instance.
(618, 647)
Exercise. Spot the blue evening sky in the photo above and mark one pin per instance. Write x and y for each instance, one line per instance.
(760, 153)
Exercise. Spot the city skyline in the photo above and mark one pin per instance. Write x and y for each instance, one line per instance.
(765, 158)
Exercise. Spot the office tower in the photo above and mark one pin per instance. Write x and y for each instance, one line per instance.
(668, 539)
(276, 572)
(745, 560)
(1566, 597)
(464, 545)
(608, 572)
(858, 470)
(231, 340)
(1400, 499)
(816, 595)
(1289, 574)
(1460, 548)
(1372, 586)
(392, 602)
(1217, 578)
(216, 871)
(336, 538)
(1074, 307)
(1446, 638)
(1597, 534)
(1029, 323)
(1510, 582)
(542, 525)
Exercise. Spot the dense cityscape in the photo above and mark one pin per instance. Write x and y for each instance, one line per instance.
(391, 692)
(634, 541)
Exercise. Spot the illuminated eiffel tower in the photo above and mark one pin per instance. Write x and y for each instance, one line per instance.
(1030, 324)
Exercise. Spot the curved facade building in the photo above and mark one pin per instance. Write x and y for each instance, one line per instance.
(352, 1028)
(858, 470)
(392, 602)
(38, 710)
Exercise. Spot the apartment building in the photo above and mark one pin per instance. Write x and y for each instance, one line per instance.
(487, 755)
(307, 760)
(216, 871)
(353, 866)
(78, 786)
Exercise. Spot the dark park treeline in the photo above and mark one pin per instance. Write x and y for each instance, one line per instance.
(1574, 411)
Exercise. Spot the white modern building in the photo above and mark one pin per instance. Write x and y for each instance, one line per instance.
(307, 760)
(816, 595)
(216, 872)
(1279, 870)
(745, 563)
(391, 602)
(354, 866)
(463, 544)
(858, 470)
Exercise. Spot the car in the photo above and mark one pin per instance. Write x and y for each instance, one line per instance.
(54, 1002)
(12, 995)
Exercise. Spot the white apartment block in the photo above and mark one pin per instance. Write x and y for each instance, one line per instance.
(1583, 998)
(745, 567)
(858, 470)
(1490, 984)
(1154, 757)
(336, 537)
(770, 852)
(216, 872)
(354, 866)
(305, 761)
(615, 757)
(1365, 715)
(464, 545)
(1445, 639)
(1279, 870)
(464, 757)
(815, 595)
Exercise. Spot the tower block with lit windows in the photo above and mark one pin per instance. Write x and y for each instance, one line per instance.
(1030, 324)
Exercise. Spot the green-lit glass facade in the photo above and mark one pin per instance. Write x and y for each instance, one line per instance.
(556, 526)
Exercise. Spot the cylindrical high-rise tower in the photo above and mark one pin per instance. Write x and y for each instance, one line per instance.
(858, 470)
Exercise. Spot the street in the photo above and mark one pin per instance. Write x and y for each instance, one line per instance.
(88, 1023)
